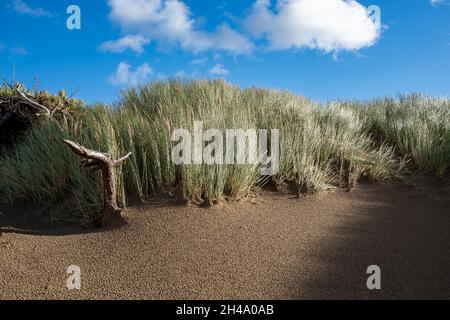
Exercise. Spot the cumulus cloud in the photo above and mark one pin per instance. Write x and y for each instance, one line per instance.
(230, 40)
(19, 50)
(134, 42)
(171, 21)
(327, 25)
(23, 8)
(125, 76)
(15, 50)
(219, 70)
(434, 3)
(195, 62)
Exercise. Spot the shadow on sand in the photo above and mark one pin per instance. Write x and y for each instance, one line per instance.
(404, 230)
(33, 221)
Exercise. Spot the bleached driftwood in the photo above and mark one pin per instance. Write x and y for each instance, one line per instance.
(31, 103)
(98, 160)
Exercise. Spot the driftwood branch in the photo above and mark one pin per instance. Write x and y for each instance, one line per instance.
(28, 106)
(33, 104)
(119, 161)
(98, 160)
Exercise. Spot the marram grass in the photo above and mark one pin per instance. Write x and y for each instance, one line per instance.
(321, 145)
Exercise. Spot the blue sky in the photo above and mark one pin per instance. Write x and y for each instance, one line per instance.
(324, 49)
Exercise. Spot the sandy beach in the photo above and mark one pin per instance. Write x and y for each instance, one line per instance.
(279, 247)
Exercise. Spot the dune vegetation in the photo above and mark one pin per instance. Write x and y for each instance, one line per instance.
(322, 146)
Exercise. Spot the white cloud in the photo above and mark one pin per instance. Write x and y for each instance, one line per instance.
(171, 21)
(124, 76)
(219, 70)
(328, 25)
(161, 76)
(434, 3)
(133, 42)
(23, 8)
(19, 50)
(16, 50)
(198, 61)
(230, 40)
(180, 74)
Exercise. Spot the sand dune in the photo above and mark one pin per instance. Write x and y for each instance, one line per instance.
(280, 247)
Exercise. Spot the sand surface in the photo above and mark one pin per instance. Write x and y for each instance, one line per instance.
(280, 247)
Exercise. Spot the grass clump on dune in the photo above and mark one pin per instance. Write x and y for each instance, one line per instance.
(416, 126)
(321, 146)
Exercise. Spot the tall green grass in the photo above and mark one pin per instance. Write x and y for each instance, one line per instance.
(322, 146)
(416, 126)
